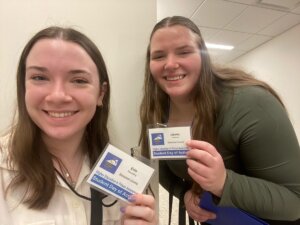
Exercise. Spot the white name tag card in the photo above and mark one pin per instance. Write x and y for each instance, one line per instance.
(168, 142)
(118, 174)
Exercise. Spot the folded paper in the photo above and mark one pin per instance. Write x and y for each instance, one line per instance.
(228, 215)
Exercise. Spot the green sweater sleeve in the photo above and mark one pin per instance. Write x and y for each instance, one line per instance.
(258, 132)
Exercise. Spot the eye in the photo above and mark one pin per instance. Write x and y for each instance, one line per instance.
(184, 52)
(38, 77)
(157, 56)
(79, 81)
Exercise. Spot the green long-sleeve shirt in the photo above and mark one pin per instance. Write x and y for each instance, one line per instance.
(261, 154)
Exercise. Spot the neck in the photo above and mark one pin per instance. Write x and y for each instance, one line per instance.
(68, 157)
(181, 113)
(65, 150)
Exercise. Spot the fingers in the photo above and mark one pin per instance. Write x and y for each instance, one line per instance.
(200, 179)
(206, 166)
(202, 145)
(202, 215)
(191, 202)
(201, 156)
(203, 152)
(141, 199)
(209, 178)
(141, 211)
(129, 221)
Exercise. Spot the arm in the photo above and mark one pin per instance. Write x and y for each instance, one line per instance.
(269, 152)
(260, 137)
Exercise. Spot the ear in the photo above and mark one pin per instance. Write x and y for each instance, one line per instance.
(103, 89)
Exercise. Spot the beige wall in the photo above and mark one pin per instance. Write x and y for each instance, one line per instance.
(277, 62)
(119, 28)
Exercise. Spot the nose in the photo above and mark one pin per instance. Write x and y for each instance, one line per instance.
(58, 93)
(171, 63)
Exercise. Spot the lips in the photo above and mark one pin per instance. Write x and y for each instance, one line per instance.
(174, 78)
(60, 114)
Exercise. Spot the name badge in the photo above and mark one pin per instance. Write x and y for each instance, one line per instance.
(118, 174)
(169, 142)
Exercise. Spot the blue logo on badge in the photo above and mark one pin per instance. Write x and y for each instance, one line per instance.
(157, 139)
(111, 163)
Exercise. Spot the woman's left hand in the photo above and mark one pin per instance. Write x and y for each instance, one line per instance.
(206, 166)
(191, 202)
(141, 211)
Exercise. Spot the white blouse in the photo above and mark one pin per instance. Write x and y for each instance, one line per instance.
(65, 208)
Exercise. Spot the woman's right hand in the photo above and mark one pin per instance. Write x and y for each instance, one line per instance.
(140, 211)
(191, 202)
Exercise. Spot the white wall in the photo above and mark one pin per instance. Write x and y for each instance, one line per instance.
(278, 63)
(119, 28)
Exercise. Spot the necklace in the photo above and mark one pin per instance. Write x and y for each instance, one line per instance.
(65, 172)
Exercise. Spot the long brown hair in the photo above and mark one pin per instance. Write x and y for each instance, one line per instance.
(154, 107)
(28, 153)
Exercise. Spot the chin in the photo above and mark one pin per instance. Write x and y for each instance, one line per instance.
(61, 134)
(177, 94)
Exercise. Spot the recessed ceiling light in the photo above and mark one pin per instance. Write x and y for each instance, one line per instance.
(217, 46)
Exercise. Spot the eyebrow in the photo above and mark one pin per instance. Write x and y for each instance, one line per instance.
(40, 68)
(184, 47)
(179, 48)
(72, 72)
(79, 71)
(156, 52)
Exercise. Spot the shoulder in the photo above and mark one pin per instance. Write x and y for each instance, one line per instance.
(252, 98)
(252, 108)
(253, 94)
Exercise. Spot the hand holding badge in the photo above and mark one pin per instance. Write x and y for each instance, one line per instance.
(118, 174)
(168, 142)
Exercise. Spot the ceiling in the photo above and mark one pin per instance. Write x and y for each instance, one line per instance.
(245, 24)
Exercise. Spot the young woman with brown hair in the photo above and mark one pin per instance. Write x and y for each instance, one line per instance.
(244, 148)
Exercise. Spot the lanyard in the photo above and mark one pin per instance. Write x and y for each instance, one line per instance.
(96, 207)
(96, 202)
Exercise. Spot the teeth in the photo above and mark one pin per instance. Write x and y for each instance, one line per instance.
(60, 115)
(173, 78)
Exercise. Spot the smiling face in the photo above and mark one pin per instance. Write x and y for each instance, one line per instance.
(175, 61)
(62, 88)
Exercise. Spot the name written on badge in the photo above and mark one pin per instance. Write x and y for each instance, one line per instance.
(118, 174)
(168, 142)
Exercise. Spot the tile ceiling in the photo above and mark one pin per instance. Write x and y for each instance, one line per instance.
(245, 24)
